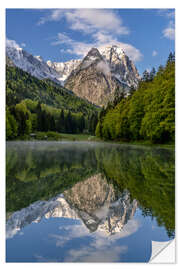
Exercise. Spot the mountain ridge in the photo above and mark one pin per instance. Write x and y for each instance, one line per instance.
(101, 212)
(97, 77)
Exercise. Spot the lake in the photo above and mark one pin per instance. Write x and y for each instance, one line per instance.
(87, 201)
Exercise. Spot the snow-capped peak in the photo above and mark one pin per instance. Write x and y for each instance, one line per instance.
(113, 60)
(64, 68)
(12, 44)
(113, 51)
(38, 57)
(29, 63)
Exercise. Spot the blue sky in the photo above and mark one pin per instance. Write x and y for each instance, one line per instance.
(146, 35)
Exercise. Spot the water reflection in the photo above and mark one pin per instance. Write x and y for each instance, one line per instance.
(93, 201)
(90, 202)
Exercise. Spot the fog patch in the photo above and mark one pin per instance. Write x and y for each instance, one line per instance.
(103, 67)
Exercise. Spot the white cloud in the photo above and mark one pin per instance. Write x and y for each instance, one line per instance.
(12, 43)
(55, 15)
(74, 47)
(89, 254)
(96, 19)
(101, 40)
(169, 32)
(102, 247)
(154, 53)
(88, 20)
(102, 25)
(62, 39)
(168, 13)
(133, 53)
(23, 45)
(103, 67)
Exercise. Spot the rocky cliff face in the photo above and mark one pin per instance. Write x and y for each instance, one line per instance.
(100, 75)
(96, 78)
(94, 201)
(121, 66)
(99, 206)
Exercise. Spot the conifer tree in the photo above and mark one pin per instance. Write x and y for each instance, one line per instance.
(152, 74)
(171, 58)
(60, 126)
(146, 76)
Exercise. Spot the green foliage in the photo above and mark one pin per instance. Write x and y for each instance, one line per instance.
(148, 174)
(20, 85)
(23, 117)
(41, 172)
(11, 126)
(50, 136)
(158, 124)
(93, 119)
(147, 114)
(41, 105)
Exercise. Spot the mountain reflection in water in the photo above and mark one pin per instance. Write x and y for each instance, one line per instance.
(111, 191)
(93, 201)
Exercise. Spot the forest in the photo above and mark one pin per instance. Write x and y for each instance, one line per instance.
(147, 114)
(34, 105)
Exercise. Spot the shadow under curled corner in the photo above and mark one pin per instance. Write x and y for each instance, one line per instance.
(163, 252)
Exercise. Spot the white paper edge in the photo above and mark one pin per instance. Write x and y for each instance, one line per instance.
(163, 252)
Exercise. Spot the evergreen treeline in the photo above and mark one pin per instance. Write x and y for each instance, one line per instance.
(39, 105)
(147, 113)
(27, 117)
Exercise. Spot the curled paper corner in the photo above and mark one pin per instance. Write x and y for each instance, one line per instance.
(163, 252)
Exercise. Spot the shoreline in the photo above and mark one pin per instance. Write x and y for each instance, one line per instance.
(53, 136)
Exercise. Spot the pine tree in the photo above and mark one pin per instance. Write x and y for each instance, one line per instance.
(52, 125)
(92, 123)
(61, 122)
(160, 70)
(152, 74)
(39, 117)
(171, 58)
(81, 123)
(146, 76)
(68, 122)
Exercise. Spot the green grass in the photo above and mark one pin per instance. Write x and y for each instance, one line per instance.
(55, 136)
(77, 137)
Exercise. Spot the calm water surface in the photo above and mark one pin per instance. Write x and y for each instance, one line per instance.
(87, 202)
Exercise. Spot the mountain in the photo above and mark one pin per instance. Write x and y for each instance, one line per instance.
(98, 207)
(101, 76)
(9, 62)
(64, 68)
(21, 85)
(31, 64)
(37, 67)
(98, 77)
(121, 66)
